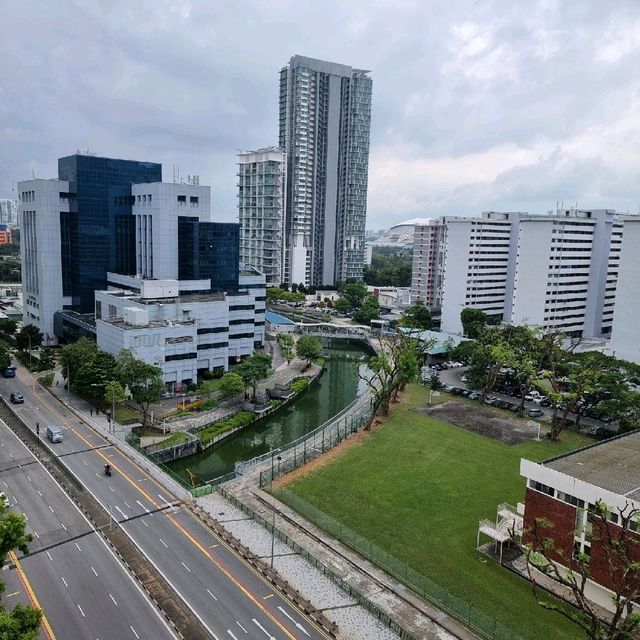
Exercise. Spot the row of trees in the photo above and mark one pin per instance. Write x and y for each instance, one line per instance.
(103, 379)
(547, 359)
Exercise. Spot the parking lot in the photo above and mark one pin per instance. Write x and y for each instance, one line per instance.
(536, 406)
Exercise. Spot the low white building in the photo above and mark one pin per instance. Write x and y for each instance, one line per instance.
(176, 326)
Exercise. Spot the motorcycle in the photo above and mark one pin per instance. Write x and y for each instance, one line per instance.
(107, 470)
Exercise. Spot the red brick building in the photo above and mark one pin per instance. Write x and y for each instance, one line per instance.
(565, 490)
(5, 234)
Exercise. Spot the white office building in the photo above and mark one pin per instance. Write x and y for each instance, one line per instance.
(261, 209)
(181, 326)
(554, 271)
(41, 204)
(625, 336)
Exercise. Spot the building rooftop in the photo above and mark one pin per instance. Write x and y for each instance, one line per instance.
(276, 318)
(613, 465)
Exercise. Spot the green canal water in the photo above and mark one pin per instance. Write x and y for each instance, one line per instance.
(336, 388)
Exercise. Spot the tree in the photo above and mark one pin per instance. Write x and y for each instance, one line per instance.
(29, 337)
(473, 321)
(47, 359)
(354, 292)
(390, 267)
(417, 316)
(231, 385)
(76, 355)
(619, 547)
(287, 346)
(369, 310)
(22, 623)
(93, 377)
(7, 325)
(309, 348)
(5, 359)
(294, 287)
(144, 381)
(252, 370)
(342, 306)
(114, 395)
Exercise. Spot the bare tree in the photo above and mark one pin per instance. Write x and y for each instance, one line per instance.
(613, 537)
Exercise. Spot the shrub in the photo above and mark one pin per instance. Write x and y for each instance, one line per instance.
(47, 380)
(298, 385)
(240, 419)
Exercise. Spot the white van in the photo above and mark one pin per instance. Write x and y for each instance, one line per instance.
(54, 434)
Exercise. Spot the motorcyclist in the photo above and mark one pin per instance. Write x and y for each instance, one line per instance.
(107, 469)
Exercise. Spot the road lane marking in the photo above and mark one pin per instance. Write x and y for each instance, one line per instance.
(94, 572)
(241, 627)
(231, 634)
(126, 504)
(262, 629)
(144, 523)
(81, 611)
(64, 582)
(39, 492)
(48, 631)
(49, 556)
(28, 478)
(124, 515)
(84, 462)
(78, 547)
(35, 533)
(145, 508)
(164, 543)
(113, 600)
(267, 597)
(51, 508)
(211, 594)
(112, 490)
(185, 566)
(294, 621)
(134, 632)
(213, 546)
(65, 528)
(15, 593)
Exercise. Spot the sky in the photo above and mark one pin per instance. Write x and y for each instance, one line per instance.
(477, 105)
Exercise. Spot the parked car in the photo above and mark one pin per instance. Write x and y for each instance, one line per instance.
(16, 397)
(489, 399)
(503, 404)
(466, 393)
(540, 399)
(514, 407)
(535, 413)
(475, 395)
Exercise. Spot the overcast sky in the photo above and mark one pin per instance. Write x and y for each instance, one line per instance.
(481, 105)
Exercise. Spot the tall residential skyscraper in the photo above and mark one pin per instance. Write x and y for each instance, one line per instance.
(261, 209)
(325, 119)
(9, 212)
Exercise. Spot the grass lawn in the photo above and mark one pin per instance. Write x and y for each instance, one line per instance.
(124, 413)
(175, 438)
(417, 487)
(208, 386)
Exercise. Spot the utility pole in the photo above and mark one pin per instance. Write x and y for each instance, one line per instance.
(273, 504)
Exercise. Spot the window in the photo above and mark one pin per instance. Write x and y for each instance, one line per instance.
(181, 356)
(193, 200)
(182, 200)
(213, 330)
(542, 488)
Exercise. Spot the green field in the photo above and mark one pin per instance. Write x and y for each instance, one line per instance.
(417, 487)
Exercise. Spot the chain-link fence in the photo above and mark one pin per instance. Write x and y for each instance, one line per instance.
(316, 442)
(458, 608)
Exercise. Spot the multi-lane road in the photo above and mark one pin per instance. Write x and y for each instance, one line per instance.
(70, 572)
(231, 600)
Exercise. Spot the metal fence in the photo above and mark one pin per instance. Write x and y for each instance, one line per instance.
(458, 608)
(361, 599)
(313, 444)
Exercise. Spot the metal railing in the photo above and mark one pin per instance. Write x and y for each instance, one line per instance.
(458, 608)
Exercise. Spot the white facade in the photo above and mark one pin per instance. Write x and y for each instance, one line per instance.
(427, 272)
(261, 208)
(41, 203)
(181, 332)
(9, 212)
(554, 271)
(156, 208)
(625, 337)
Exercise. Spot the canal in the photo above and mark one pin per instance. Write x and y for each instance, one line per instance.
(332, 392)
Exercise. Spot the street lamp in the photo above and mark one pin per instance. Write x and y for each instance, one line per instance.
(273, 504)
(29, 336)
(109, 418)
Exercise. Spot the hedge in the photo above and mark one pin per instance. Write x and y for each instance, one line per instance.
(240, 419)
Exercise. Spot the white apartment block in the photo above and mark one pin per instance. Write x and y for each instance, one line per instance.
(261, 209)
(165, 322)
(429, 240)
(554, 271)
(625, 336)
(41, 203)
(9, 212)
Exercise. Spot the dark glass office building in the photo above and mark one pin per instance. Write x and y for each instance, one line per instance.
(98, 232)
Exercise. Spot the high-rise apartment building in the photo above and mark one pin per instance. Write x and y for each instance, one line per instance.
(429, 240)
(261, 209)
(554, 271)
(325, 118)
(9, 212)
(625, 342)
